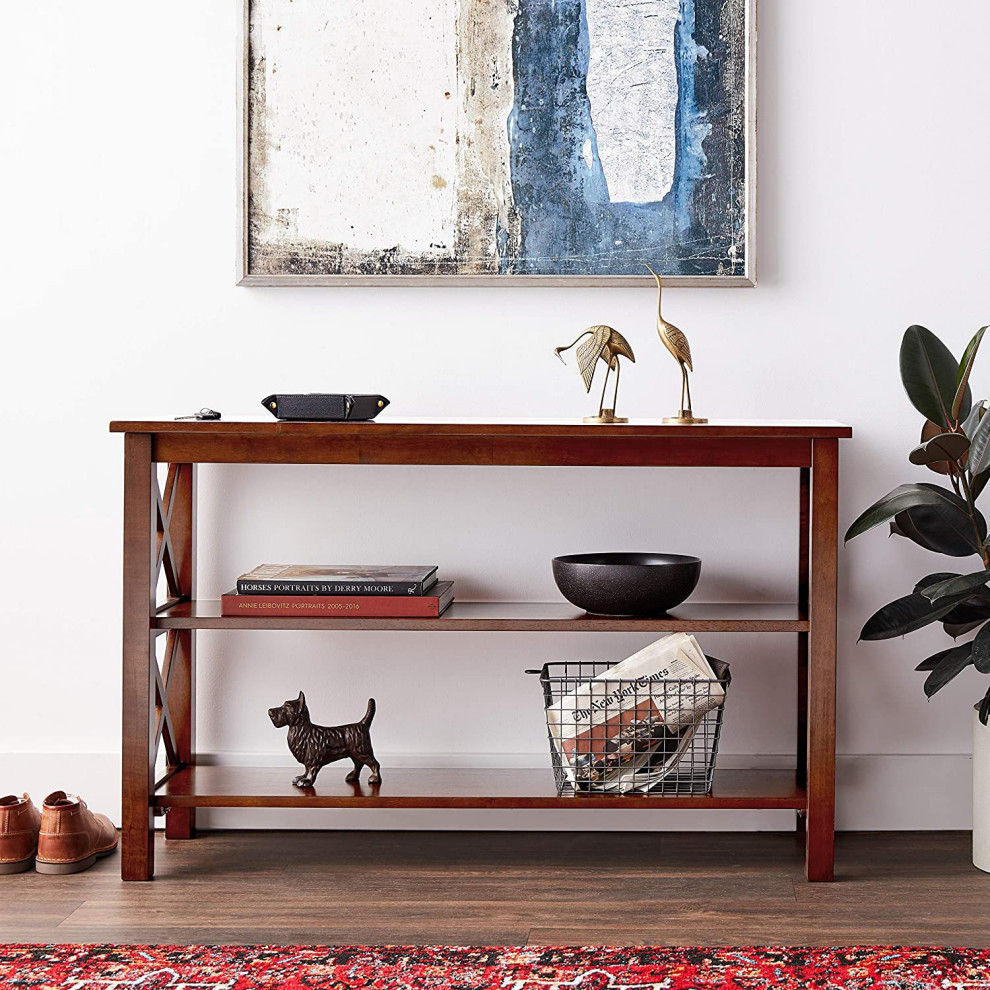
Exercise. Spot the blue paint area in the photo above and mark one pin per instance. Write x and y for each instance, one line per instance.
(560, 201)
(690, 159)
(568, 226)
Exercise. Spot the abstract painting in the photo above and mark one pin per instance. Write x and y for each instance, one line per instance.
(498, 141)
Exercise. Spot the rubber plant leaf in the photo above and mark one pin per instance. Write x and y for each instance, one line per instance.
(963, 373)
(928, 372)
(957, 629)
(957, 585)
(945, 527)
(929, 579)
(981, 650)
(966, 616)
(939, 449)
(905, 615)
(931, 533)
(901, 498)
(950, 666)
(930, 663)
(979, 483)
(942, 528)
(973, 609)
(929, 431)
(971, 422)
(984, 708)
(979, 450)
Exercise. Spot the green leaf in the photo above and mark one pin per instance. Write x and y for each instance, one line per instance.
(929, 431)
(976, 607)
(929, 579)
(979, 451)
(957, 629)
(967, 615)
(905, 615)
(901, 498)
(928, 372)
(963, 373)
(981, 650)
(942, 528)
(930, 663)
(984, 708)
(950, 666)
(924, 526)
(972, 421)
(956, 585)
(979, 483)
(945, 447)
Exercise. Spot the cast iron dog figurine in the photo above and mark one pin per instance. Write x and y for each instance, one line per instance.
(314, 746)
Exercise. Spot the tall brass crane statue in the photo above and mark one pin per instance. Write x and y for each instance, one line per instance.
(674, 340)
(607, 345)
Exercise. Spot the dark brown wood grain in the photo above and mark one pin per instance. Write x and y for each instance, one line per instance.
(731, 429)
(271, 787)
(804, 585)
(509, 617)
(767, 444)
(380, 447)
(821, 659)
(811, 447)
(137, 837)
(502, 888)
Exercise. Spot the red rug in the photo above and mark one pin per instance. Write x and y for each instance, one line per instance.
(102, 967)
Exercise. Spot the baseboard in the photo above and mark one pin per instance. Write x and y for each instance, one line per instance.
(873, 793)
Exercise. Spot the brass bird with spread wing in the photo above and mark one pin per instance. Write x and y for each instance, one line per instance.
(674, 340)
(602, 344)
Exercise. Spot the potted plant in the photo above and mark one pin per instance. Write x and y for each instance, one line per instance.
(944, 518)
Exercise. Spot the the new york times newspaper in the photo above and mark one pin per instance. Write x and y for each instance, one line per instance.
(629, 727)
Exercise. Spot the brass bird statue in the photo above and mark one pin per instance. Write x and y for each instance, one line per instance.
(605, 344)
(674, 340)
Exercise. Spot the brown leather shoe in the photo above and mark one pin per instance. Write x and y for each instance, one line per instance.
(71, 835)
(19, 824)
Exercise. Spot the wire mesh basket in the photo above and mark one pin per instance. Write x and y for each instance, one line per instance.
(621, 735)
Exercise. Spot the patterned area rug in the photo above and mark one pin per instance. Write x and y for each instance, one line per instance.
(101, 967)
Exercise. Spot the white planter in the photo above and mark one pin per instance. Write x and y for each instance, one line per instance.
(981, 794)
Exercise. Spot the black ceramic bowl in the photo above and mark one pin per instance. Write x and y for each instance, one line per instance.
(640, 584)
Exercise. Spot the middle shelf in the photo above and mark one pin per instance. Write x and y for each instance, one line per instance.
(509, 617)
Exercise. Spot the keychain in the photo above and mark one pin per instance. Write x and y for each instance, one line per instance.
(205, 413)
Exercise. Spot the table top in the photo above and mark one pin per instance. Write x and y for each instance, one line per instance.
(491, 427)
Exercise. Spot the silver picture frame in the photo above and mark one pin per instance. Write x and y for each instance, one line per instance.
(244, 276)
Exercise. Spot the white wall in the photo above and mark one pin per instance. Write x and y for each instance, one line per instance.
(118, 300)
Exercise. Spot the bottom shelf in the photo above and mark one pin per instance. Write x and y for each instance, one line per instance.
(271, 787)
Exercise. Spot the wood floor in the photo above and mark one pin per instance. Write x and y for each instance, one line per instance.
(514, 888)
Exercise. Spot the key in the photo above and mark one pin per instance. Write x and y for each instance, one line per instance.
(205, 413)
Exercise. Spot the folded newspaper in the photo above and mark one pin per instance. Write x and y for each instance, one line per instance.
(631, 735)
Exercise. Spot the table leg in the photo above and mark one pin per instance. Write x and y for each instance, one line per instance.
(137, 854)
(820, 840)
(802, 643)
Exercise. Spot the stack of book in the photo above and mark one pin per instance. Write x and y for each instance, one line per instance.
(343, 592)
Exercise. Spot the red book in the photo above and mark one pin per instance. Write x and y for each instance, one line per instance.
(429, 606)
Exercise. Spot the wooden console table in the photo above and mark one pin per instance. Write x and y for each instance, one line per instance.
(160, 535)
